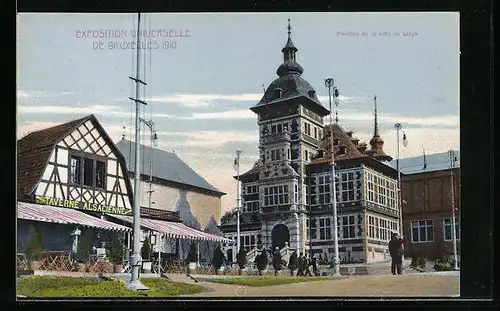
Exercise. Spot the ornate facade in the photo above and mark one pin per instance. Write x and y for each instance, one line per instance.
(287, 194)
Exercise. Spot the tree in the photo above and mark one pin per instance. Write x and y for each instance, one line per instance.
(34, 247)
(241, 258)
(293, 264)
(277, 260)
(146, 250)
(192, 255)
(116, 249)
(218, 259)
(262, 260)
(227, 216)
(85, 245)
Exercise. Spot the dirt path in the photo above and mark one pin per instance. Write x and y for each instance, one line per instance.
(387, 285)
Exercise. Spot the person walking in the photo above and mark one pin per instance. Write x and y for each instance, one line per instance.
(301, 260)
(315, 265)
(396, 251)
(307, 265)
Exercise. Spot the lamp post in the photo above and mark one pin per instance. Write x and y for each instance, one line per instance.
(453, 223)
(333, 198)
(238, 200)
(398, 128)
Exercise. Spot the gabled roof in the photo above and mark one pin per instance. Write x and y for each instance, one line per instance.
(435, 162)
(33, 152)
(166, 165)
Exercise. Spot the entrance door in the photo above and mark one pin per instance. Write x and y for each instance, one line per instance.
(230, 255)
(279, 236)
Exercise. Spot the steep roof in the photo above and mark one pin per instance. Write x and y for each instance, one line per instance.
(34, 150)
(351, 150)
(435, 162)
(166, 165)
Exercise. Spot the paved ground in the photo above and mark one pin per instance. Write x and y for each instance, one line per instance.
(435, 284)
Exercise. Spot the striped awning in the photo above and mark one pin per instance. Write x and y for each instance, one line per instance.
(174, 229)
(47, 213)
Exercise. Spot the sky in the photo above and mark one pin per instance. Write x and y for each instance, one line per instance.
(204, 72)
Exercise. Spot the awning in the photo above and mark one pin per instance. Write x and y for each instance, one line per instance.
(174, 229)
(46, 213)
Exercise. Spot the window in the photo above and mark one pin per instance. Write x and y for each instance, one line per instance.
(324, 189)
(276, 195)
(248, 242)
(273, 129)
(348, 227)
(325, 232)
(447, 225)
(422, 231)
(371, 227)
(347, 187)
(315, 133)
(100, 173)
(252, 206)
(87, 172)
(275, 155)
(377, 227)
(311, 228)
(306, 155)
(75, 169)
(280, 128)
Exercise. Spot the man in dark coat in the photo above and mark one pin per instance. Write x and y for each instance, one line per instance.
(300, 261)
(315, 265)
(396, 251)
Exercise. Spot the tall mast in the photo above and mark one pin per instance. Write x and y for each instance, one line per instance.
(136, 255)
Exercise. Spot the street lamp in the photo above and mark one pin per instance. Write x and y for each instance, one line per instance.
(453, 223)
(398, 128)
(238, 199)
(333, 198)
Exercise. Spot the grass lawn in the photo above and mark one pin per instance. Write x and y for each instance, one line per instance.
(267, 281)
(49, 286)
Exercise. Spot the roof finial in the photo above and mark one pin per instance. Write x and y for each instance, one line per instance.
(376, 121)
(289, 29)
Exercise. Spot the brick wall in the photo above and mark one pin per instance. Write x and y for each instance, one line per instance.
(427, 196)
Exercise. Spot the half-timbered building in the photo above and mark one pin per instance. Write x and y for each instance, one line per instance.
(75, 169)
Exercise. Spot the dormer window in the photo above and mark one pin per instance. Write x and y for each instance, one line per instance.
(311, 93)
(279, 92)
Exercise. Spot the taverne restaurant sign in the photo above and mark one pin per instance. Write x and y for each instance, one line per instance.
(94, 207)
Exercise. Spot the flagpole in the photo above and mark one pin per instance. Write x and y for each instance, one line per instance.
(453, 223)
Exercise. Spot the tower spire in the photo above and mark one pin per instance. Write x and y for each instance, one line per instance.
(375, 132)
(289, 29)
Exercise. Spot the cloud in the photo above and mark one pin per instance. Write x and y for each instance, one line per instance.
(31, 94)
(93, 109)
(212, 138)
(203, 100)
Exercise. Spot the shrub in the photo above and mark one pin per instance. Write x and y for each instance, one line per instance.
(277, 261)
(262, 261)
(85, 244)
(34, 247)
(443, 266)
(414, 262)
(146, 250)
(422, 263)
(192, 256)
(241, 258)
(293, 263)
(116, 250)
(218, 259)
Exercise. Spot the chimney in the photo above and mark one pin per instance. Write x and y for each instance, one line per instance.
(349, 133)
(362, 147)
